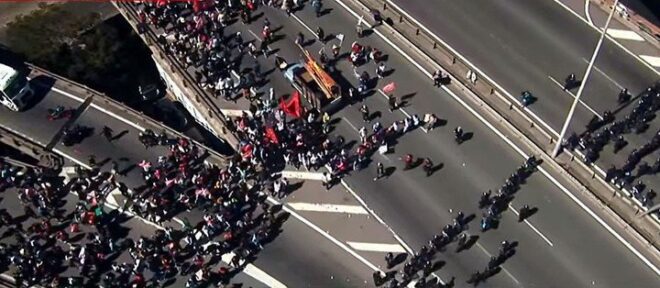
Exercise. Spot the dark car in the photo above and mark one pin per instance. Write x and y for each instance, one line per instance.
(151, 92)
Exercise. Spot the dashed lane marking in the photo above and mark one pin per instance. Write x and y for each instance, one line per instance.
(303, 175)
(653, 60)
(332, 208)
(532, 226)
(501, 266)
(592, 110)
(256, 273)
(624, 34)
(376, 247)
(603, 73)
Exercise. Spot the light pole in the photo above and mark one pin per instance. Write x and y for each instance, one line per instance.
(555, 152)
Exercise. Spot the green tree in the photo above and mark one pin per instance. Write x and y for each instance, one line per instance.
(79, 47)
(47, 33)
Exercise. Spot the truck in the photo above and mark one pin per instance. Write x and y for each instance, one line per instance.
(15, 90)
(315, 85)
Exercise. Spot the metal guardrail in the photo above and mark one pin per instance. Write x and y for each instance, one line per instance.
(31, 148)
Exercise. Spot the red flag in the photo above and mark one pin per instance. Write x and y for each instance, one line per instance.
(389, 88)
(292, 107)
(271, 136)
(200, 5)
(246, 151)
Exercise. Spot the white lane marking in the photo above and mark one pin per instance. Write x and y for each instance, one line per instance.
(624, 34)
(332, 208)
(507, 140)
(234, 112)
(593, 111)
(501, 266)
(608, 37)
(351, 124)
(253, 270)
(586, 11)
(603, 73)
(532, 226)
(376, 247)
(250, 269)
(464, 60)
(302, 175)
(67, 156)
(97, 107)
(653, 60)
(69, 170)
(255, 273)
(303, 24)
(325, 234)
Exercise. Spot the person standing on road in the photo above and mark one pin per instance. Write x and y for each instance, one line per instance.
(317, 5)
(107, 133)
(327, 180)
(524, 212)
(428, 166)
(380, 171)
(365, 113)
(363, 134)
(380, 71)
(377, 17)
(320, 34)
(389, 259)
(300, 39)
(391, 101)
(335, 51)
(437, 78)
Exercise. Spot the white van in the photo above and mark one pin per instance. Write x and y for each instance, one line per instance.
(15, 91)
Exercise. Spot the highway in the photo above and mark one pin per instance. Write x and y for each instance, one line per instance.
(300, 243)
(562, 239)
(533, 45)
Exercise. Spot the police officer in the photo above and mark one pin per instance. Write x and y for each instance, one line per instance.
(524, 212)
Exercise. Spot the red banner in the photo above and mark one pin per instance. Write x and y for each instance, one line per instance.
(292, 107)
(389, 88)
(271, 136)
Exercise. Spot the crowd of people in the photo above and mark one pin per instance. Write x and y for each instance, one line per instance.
(237, 220)
(270, 138)
(601, 132)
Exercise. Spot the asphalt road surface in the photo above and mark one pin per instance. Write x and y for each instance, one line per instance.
(298, 246)
(561, 239)
(533, 45)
